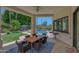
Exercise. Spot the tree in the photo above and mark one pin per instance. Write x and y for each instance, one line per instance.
(9, 16)
(15, 25)
(13, 15)
(5, 17)
(44, 23)
(23, 19)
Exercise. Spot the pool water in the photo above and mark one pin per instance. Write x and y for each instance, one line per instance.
(41, 31)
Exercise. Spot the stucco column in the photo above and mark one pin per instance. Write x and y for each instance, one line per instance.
(33, 24)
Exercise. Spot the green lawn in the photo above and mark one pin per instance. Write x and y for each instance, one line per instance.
(13, 36)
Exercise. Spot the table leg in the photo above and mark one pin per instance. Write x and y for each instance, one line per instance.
(31, 47)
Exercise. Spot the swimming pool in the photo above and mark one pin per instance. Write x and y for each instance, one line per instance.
(41, 31)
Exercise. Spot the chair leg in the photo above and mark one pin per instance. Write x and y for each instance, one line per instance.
(38, 46)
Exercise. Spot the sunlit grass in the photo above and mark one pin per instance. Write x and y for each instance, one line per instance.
(12, 36)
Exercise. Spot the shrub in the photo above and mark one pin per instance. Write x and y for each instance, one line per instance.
(5, 30)
(15, 25)
(5, 25)
(8, 32)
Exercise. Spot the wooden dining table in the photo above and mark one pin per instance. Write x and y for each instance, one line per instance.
(32, 40)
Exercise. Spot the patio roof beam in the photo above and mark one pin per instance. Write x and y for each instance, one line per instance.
(42, 15)
(20, 10)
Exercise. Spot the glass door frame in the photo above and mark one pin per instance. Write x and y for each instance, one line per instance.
(75, 28)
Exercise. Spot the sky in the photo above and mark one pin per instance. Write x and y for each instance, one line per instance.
(2, 10)
(40, 20)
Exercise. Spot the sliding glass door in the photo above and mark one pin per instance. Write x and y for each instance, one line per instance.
(76, 29)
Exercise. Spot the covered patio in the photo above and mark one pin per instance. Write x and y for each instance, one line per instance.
(61, 28)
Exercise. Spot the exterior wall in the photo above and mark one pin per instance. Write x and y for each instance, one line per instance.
(66, 37)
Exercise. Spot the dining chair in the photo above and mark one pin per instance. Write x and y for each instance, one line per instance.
(37, 45)
(22, 46)
(44, 40)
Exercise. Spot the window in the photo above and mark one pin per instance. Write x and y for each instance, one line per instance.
(61, 24)
(55, 25)
(65, 24)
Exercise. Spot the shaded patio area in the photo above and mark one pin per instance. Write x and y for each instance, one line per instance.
(52, 21)
(46, 48)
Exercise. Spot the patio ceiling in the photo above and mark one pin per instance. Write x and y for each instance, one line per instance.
(42, 10)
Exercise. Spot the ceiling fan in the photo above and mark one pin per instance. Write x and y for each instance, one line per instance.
(37, 8)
